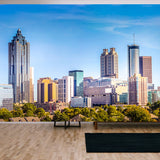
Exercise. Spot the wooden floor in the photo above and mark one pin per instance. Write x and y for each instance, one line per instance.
(41, 141)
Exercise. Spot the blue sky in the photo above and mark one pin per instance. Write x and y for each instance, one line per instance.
(68, 37)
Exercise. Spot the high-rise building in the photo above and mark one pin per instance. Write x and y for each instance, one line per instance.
(133, 60)
(66, 89)
(46, 90)
(109, 63)
(78, 82)
(145, 67)
(31, 85)
(6, 96)
(138, 90)
(19, 67)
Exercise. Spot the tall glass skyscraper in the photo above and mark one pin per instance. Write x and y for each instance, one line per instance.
(78, 82)
(133, 60)
(19, 68)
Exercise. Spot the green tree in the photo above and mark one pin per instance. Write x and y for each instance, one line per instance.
(40, 112)
(29, 106)
(138, 114)
(120, 116)
(29, 113)
(77, 111)
(5, 114)
(120, 109)
(112, 119)
(111, 110)
(69, 112)
(64, 117)
(155, 105)
(46, 118)
(157, 112)
(17, 112)
(86, 112)
(57, 116)
(102, 115)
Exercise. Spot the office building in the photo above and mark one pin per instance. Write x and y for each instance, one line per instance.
(105, 90)
(123, 98)
(6, 96)
(19, 68)
(145, 67)
(66, 89)
(31, 85)
(138, 90)
(109, 63)
(153, 96)
(78, 82)
(46, 90)
(133, 60)
(81, 102)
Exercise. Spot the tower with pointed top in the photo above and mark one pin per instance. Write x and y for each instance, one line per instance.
(19, 68)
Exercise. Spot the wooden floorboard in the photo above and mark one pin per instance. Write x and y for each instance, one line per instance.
(41, 141)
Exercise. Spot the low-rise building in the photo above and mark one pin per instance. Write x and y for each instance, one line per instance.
(81, 102)
(105, 90)
(6, 96)
(153, 96)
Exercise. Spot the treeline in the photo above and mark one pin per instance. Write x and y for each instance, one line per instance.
(26, 110)
(103, 113)
(106, 113)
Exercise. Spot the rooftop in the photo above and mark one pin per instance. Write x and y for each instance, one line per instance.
(41, 141)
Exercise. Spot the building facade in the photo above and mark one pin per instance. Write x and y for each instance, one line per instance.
(46, 90)
(66, 89)
(145, 67)
(133, 60)
(153, 96)
(19, 68)
(78, 82)
(138, 93)
(81, 102)
(109, 63)
(105, 90)
(31, 85)
(6, 96)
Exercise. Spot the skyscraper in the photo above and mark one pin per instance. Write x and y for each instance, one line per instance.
(145, 67)
(78, 82)
(133, 60)
(19, 67)
(109, 63)
(46, 90)
(138, 90)
(66, 89)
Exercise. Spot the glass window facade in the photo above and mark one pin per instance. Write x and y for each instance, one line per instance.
(133, 60)
(78, 82)
(6, 96)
